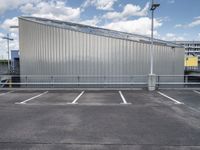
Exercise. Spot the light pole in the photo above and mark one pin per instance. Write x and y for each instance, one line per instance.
(152, 76)
(153, 8)
(8, 45)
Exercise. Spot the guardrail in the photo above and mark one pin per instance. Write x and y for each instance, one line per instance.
(56, 81)
(71, 81)
(179, 81)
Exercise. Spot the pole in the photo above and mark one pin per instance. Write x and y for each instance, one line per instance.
(8, 52)
(8, 44)
(152, 28)
(152, 77)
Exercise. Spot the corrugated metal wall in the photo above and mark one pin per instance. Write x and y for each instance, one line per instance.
(49, 50)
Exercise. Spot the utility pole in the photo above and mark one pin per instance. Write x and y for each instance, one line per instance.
(8, 46)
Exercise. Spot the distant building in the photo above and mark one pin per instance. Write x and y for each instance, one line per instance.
(3, 67)
(192, 48)
(15, 61)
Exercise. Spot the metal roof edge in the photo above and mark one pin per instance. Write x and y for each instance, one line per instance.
(98, 31)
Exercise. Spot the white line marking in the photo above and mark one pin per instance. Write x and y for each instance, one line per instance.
(24, 102)
(193, 109)
(197, 92)
(76, 99)
(6, 93)
(123, 98)
(175, 101)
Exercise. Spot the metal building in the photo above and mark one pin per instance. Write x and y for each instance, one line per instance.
(85, 54)
(192, 48)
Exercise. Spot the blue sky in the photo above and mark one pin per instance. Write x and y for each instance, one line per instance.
(174, 19)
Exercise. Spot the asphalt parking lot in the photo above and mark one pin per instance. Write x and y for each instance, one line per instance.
(103, 120)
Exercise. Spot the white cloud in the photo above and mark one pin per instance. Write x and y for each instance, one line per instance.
(128, 11)
(194, 23)
(13, 4)
(197, 17)
(100, 4)
(138, 26)
(171, 1)
(91, 22)
(27, 8)
(198, 37)
(178, 26)
(52, 10)
(10, 22)
(173, 37)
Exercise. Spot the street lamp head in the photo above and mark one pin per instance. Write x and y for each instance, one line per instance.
(14, 27)
(154, 6)
(7, 38)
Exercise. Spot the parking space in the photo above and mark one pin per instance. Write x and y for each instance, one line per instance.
(4, 92)
(146, 98)
(188, 97)
(100, 97)
(103, 120)
(54, 98)
(12, 97)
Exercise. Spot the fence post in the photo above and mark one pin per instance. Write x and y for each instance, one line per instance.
(186, 81)
(26, 81)
(104, 80)
(78, 81)
(158, 81)
(132, 85)
(52, 81)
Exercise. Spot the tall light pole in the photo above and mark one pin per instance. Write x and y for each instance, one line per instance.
(8, 45)
(153, 8)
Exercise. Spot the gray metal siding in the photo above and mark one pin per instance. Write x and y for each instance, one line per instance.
(49, 50)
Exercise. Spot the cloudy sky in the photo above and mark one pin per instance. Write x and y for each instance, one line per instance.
(174, 20)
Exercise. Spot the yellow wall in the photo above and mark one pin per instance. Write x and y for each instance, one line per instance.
(191, 61)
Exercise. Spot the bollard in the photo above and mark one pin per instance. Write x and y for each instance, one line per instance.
(152, 82)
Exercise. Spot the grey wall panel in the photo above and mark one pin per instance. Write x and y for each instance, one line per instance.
(49, 50)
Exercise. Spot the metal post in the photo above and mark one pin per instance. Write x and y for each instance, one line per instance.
(8, 52)
(152, 30)
(78, 81)
(152, 76)
(26, 81)
(8, 44)
(52, 81)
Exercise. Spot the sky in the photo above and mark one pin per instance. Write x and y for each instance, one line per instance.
(175, 20)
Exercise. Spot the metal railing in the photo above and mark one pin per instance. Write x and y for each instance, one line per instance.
(56, 81)
(178, 81)
(52, 81)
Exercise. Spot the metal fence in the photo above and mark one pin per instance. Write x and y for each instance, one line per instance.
(60, 81)
(178, 81)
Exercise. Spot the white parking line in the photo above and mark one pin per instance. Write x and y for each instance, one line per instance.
(197, 92)
(24, 102)
(123, 98)
(175, 101)
(76, 99)
(6, 93)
